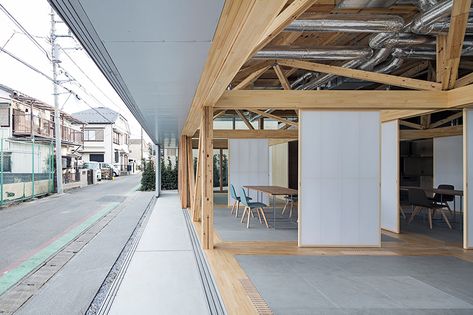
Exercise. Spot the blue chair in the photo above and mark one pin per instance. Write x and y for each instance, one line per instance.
(236, 203)
(249, 206)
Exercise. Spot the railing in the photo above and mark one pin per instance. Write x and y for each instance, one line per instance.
(43, 128)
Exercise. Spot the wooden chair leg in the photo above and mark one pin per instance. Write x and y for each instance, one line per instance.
(249, 218)
(403, 213)
(445, 218)
(264, 217)
(259, 216)
(430, 217)
(243, 215)
(284, 209)
(449, 209)
(413, 214)
(237, 209)
(290, 211)
(233, 207)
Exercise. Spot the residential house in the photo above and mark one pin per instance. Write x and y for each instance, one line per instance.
(27, 143)
(139, 150)
(106, 136)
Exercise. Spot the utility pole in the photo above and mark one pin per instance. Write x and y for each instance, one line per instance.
(57, 113)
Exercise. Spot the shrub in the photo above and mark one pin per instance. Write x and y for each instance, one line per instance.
(148, 179)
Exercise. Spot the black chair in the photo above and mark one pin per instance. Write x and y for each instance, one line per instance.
(420, 201)
(442, 199)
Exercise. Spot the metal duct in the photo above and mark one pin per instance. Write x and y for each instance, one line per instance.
(327, 77)
(361, 4)
(390, 66)
(381, 40)
(301, 79)
(423, 22)
(443, 27)
(349, 23)
(380, 56)
(335, 53)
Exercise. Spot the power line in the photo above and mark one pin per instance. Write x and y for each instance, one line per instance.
(18, 24)
(51, 79)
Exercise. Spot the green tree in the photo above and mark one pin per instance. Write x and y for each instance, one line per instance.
(225, 170)
(216, 171)
(148, 178)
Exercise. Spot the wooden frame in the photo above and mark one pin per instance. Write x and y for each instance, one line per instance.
(207, 178)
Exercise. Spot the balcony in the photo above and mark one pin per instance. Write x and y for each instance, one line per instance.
(22, 126)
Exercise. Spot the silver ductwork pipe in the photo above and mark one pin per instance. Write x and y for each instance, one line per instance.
(381, 40)
(321, 80)
(349, 23)
(380, 56)
(422, 24)
(335, 53)
(301, 79)
(390, 66)
(442, 27)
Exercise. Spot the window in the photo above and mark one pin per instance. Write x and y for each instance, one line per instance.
(116, 138)
(4, 117)
(7, 162)
(93, 157)
(93, 135)
(117, 157)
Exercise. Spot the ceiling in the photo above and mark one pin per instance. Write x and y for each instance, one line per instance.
(152, 52)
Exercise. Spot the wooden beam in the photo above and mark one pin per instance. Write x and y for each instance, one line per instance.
(410, 124)
(455, 38)
(245, 120)
(207, 178)
(217, 143)
(463, 81)
(460, 97)
(363, 75)
(446, 120)
(182, 174)
(425, 121)
(251, 78)
(431, 133)
(388, 115)
(238, 32)
(282, 77)
(277, 118)
(197, 203)
(256, 134)
(220, 113)
(286, 17)
(329, 99)
(441, 47)
(190, 172)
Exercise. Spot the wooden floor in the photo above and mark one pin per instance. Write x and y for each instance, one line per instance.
(230, 277)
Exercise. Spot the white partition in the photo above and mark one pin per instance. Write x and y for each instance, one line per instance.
(390, 176)
(249, 163)
(279, 164)
(468, 178)
(339, 167)
(448, 162)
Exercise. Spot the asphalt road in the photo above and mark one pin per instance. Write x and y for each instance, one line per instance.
(28, 228)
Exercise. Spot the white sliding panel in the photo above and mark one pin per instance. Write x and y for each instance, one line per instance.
(249, 163)
(390, 176)
(279, 164)
(339, 167)
(468, 178)
(448, 163)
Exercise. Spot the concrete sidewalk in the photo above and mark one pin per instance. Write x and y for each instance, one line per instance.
(163, 276)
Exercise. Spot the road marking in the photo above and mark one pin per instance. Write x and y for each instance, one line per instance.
(11, 277)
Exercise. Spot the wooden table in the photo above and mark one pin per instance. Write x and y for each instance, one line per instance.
(272, 191)
(448, 192)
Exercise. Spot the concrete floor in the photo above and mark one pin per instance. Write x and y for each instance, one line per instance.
(163, 276)
(362, 284)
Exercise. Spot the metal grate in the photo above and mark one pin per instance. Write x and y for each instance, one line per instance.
(261, 306)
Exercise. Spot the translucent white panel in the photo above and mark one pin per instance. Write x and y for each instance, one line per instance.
(339, 179)
(390, 176)
(249, 163)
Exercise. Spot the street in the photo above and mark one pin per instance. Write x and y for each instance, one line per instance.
(32, 232)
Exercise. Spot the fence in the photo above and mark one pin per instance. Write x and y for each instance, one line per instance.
(26, 169)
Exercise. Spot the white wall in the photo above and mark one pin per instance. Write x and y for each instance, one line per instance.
(448, 163)
(468, 180)
(390, 176)
(339, 164)
(279, 164)
(248, 163)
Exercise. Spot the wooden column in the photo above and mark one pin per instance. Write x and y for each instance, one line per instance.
(197, 198)
(190, 172)
(206, 130)
(183, 175)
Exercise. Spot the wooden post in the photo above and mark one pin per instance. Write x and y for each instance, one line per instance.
(206, 131)
(197, 202)
(220, 169)
(190, 172)
(183, 172)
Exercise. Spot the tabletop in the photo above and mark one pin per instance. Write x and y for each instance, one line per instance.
(274, 190)
(436, 190)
